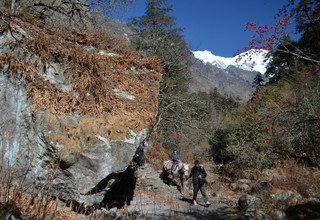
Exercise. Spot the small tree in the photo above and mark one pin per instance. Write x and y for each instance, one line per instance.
(258, 81)
(274, 37)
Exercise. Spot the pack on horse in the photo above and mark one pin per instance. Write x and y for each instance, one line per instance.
(180, 172)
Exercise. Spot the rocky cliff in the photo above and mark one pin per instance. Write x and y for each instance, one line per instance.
(73, 108)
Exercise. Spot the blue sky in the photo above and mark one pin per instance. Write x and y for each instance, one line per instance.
(216, 25)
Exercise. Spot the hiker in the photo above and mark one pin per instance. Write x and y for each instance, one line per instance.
(198, 175)
(140, 152)
(175, 160)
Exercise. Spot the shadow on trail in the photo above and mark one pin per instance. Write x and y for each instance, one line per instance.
(190, 201)
(184, 199)
(201, 211)
(165, 177)
(222, 213)
(310, 210)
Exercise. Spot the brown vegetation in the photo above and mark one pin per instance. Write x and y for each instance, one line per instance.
(156, 156)
(91, 65)
(289, 175)
(21, 200)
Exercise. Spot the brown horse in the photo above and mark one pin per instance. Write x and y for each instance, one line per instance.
(180, 172)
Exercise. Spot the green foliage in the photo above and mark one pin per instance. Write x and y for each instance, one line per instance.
(219, 143)
(258, 81)
(290, 99)
(248, 143)
(245, 139)
(156, 34)
(273, 93)
(291, 55)
(200, 114)
(281, 60)
(282, 120)
(307, 14)
(5, 3)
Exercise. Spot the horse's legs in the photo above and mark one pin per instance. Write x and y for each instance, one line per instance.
(164, 174)
(181, 184)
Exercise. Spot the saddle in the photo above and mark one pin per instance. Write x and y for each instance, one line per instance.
(168, 166)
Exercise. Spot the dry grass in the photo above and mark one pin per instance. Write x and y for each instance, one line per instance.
(156, 155)
(74, 135)
(289, 175)
(22, 199)
(91, 77)
(17, 202)
(86, 73)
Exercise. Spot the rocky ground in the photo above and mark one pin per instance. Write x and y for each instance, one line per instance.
(157, 200)
(238, 199)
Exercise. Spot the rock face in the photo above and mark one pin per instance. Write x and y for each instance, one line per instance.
(56, 131)
(242, 184)
(285, 199)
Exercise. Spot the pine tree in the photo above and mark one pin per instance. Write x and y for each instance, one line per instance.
(289, 55)
(156, 33)
(281, 60)
(307, 15)
(258, 81)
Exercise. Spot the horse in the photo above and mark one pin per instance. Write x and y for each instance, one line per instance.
(180, 172)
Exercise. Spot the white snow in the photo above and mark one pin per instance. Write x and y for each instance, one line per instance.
(252, 60)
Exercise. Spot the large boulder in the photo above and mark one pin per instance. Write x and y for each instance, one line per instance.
(72, 144)
(249, 203)
(284, 199)
(73, 172)
(241, 185)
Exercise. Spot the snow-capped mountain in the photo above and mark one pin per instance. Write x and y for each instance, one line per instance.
(232, 76)
(252, 60)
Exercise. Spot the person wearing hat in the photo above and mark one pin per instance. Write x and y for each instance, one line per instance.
(198, 175)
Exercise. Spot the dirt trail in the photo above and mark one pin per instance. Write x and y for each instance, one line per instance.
(154, 199)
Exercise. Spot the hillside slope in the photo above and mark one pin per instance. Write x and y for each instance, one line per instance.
(74, 107)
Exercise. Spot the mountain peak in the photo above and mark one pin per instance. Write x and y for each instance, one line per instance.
(251, 60)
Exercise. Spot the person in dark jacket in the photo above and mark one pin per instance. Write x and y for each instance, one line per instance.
(198, 175)
(140, 152)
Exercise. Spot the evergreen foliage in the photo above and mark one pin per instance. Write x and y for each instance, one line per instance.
(281, 61)
(307, 15)
(291, 54)
(156, 33)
